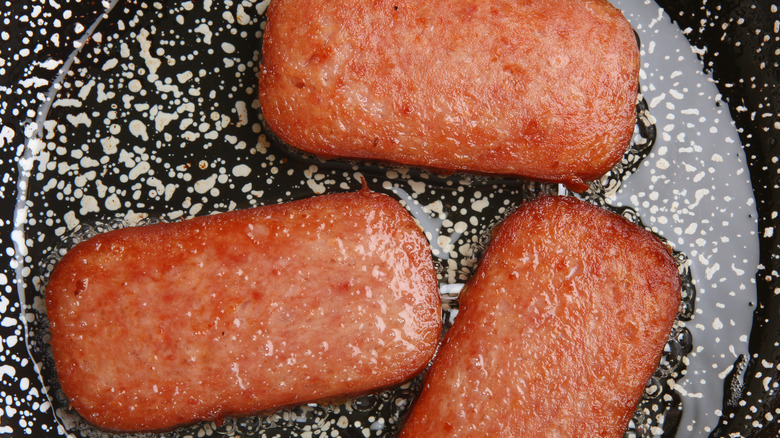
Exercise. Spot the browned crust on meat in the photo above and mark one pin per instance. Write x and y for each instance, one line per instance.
(558, 332)
(537, 89)
(236, 313)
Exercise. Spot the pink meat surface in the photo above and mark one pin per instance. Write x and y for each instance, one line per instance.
(236, 313)
(558, 332)
(542, 89)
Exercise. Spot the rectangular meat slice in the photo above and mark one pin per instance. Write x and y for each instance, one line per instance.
(558, 332)
(542, 89)
(247, 311)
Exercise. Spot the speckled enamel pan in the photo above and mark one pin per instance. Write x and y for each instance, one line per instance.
(114, 114)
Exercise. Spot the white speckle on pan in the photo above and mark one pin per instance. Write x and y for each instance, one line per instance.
(184, 76)
(138, 129)
(162, 119)
(111, 63)
(241, 111)
(151, 62)
(88, 205)
(7, 370)
(80, 119)
(113, 203)
(228, 48)
(241, 170)
(435, 208)
(655, 101)
(34, 83)
(139, 169)
(418, 187)
(205, 30)
(241, 16)
(480, 204)
(205, 185)
(317, 188)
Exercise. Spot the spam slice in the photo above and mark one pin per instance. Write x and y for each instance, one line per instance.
(236, 313)
(558, 332)
(542, 89)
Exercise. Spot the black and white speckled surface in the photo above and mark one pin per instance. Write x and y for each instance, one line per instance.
(115, 112)
(739, 45)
